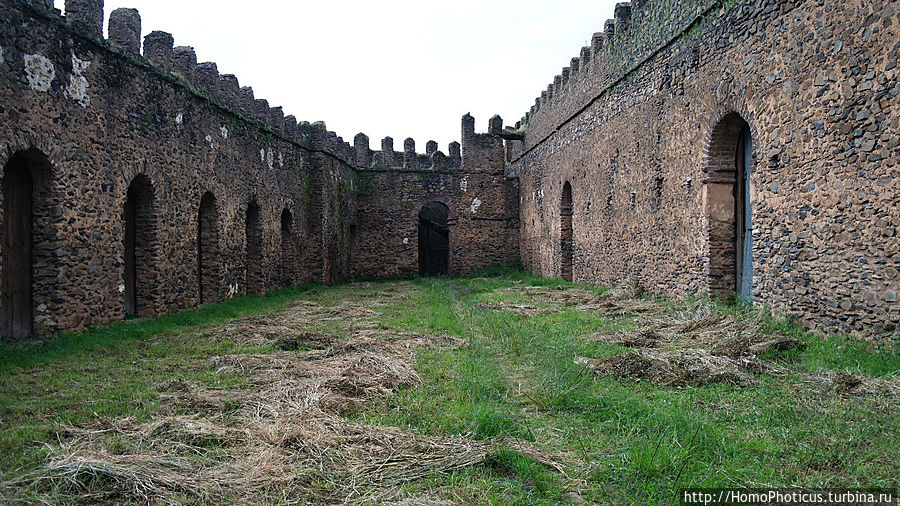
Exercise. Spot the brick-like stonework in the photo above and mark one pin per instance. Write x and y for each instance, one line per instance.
(471, 182)
(94, 118)
(646, 136)
(136, 180)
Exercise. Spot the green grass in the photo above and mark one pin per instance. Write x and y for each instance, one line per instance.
(514, 376)
(32, 354)
(636, 441)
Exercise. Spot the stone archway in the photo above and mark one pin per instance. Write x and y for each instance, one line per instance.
(566, 238)
(140, 247)
(288, 257)
(25, 177)
(208, 250)
(434, 239)
(253, 228)
(728, 165)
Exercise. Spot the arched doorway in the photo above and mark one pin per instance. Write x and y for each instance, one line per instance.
(287, 248)
(729, 208)
(566, 245)
(23, 176)
(253, 228)
(434, 240)
(208, 250)
(140, 245)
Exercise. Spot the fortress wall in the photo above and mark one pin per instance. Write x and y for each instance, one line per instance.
(102, 116)
(648, 156)
(471, 182)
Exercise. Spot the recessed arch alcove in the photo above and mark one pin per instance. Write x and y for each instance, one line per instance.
(728, 165)
(25, 187)
(288, 256)
(434, 239)
(139, 217)
(566, 235)
(208, 257)
(254, 239)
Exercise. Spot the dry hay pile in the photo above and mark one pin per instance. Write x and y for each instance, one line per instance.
(626, 298)
(856, 384)
(279, 437)
(526, 310)
(680, 367)
(693, 344)
(700, 326)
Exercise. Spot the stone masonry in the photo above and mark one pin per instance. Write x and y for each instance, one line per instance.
(705, 147)
(644, 126)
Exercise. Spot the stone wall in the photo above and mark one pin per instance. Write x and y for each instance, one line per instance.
(109, 147)
(647, 142)
(90, 118)
(471, 182)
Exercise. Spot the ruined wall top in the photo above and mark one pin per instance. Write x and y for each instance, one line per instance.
(84, 19)
(477, 152)
(638, 30)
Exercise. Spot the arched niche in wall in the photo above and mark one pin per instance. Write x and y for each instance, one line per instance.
(288, 248)
(26, 222)
(254, 240)
(566, 236)
(728, 164)
(208, 256)
(434, 239)
(140, 267)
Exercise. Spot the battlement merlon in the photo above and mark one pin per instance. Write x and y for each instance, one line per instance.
(482, 152)
(125, 30)
(622, 15)
(86, 17)
(388, 159)
(409, 154)
(363, 156)
(159, 48)
(184, 62)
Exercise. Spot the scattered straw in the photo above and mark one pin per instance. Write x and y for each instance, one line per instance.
(857, 384)
(279, 433)
(677, 368)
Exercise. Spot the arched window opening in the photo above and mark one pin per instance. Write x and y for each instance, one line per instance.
(729, 209)
(288, 258)
(254, 249)
(26, 177)
(566, 239)
(140, 246)
(434, 240)
(208, 250)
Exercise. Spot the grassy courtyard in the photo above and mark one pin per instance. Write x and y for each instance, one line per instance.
(503, 388)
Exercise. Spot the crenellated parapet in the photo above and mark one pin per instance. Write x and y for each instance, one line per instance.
(478, 152)
(637, 30)
(406, 160)
(178, 64)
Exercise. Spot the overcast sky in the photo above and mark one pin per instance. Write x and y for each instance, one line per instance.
(403, 68)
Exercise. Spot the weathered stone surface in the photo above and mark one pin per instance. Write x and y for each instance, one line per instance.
(482, 203)
(103, 122)
(642, 125)
(632, 131)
